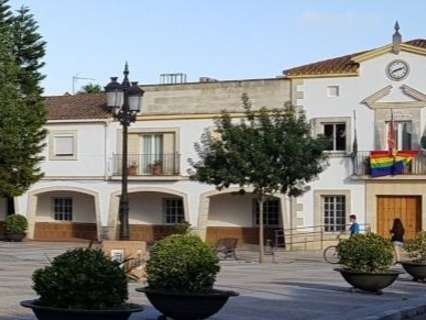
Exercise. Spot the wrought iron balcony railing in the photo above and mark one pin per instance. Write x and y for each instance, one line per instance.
(361, 164)
(161, 164)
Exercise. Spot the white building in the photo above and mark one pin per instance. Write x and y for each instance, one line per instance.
(78, 197)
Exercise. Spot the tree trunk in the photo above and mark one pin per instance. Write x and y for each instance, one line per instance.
(260, 202)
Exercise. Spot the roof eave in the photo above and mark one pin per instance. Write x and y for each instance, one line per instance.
(322, 75)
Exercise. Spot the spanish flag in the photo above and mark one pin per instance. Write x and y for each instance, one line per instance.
(384, 163)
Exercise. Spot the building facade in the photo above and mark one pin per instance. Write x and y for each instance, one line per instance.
(349, 98)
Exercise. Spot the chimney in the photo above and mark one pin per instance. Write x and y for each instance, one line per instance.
(207, 79)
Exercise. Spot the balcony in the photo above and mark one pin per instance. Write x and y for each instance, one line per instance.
(148, 164)
(417, 166)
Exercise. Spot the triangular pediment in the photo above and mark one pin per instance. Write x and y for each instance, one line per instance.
(378, 99)
(388, 49)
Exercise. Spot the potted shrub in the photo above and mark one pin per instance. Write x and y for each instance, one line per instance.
(416, 250)
(366, 261)
(156, 168)
(81, 284)
(132, 170)
(16, 226)
(181, 273)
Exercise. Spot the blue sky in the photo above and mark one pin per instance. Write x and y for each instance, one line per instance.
(224, 39)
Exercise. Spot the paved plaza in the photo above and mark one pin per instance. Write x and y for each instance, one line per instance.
(299, 286)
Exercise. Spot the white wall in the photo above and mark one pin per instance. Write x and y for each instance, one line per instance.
(90, 160)
(83, 206)
(147, 207)
(372, 78)
(228, 210)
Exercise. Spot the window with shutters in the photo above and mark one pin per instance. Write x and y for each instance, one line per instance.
(63, 145)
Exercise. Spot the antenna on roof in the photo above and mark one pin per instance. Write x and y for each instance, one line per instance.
(396, 39)
(75, 78)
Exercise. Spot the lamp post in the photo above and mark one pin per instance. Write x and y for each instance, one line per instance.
(125, 101)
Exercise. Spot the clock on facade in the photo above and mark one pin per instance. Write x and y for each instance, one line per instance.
(397, 70)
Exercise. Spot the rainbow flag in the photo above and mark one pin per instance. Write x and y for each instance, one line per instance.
(384, 163)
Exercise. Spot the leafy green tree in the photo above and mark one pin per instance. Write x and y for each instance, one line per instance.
(91, 88)
(271, 151)
(22, 112)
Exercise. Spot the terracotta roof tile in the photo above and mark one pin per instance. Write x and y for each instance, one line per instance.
(77, 107)
(339, 65)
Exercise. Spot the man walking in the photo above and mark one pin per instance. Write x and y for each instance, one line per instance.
(354, 225)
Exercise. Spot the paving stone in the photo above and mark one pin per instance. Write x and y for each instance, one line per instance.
(300, 286)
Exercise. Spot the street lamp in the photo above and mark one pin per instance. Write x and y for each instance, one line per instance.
(125, 101)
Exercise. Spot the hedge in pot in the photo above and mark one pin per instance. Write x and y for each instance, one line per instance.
(366, 261)
(416, 250)
(16, 227)
(181, 273)
(81, 284)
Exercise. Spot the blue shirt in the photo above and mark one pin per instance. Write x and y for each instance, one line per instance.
(354, 228)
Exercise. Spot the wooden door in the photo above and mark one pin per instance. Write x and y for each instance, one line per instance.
(406, 208)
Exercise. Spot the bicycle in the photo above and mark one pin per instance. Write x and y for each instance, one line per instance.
(330, 254)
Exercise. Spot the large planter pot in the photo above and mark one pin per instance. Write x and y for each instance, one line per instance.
(188, 306)
(416, 270)
(50, 313)
(373, 282)
(15, 237)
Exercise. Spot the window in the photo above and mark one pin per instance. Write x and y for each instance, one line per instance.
(152, 153)
(334, 208)
(63, 145)
(403, 134)
(333, 91)
(63, 209)
(158, 155)
(271, 212)
(174, 211)
(336, 134)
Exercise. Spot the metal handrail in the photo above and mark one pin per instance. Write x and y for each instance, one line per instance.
(361, 164)
(148, 164)
(309, 236)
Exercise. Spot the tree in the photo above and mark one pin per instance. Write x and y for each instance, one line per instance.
(270, 151)
(91, 88)
(5, 14)
(22, 112)
(29, 49)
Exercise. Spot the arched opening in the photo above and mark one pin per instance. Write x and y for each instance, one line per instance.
(65, 215)
(153, 213)
(237, 216)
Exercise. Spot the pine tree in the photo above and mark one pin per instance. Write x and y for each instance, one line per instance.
(22, 113)
(29, 50)
(5, 14)
(271, 151)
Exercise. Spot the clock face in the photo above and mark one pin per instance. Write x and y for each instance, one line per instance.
(397, 70)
